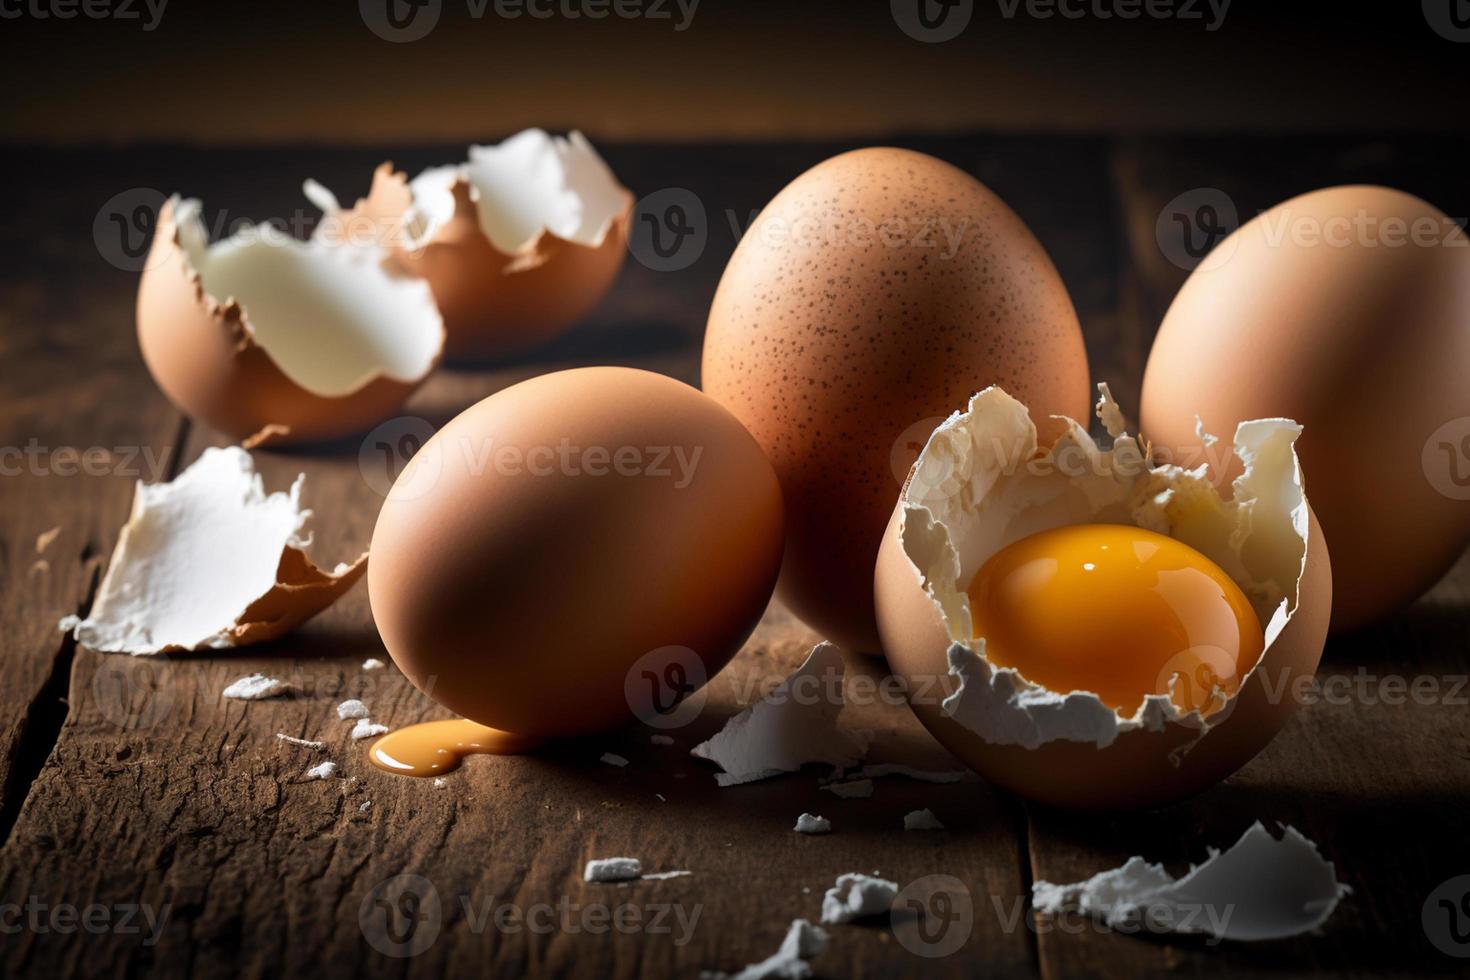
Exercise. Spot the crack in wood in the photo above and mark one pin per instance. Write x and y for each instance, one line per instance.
(40, 729)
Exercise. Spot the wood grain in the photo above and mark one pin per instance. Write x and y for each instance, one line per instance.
(158, 791)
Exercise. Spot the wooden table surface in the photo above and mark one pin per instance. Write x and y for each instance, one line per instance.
(130, 782)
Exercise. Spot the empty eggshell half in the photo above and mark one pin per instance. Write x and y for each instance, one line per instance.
(518, 242)
(210, 561)
(263, 334)
(981, 483)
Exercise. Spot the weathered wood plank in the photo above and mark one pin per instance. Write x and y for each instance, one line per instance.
(158, 792)
(1381, 786)
(79, 424)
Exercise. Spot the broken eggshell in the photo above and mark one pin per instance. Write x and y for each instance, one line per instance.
(981, 483)
(264, 335)
(210, 561)
(518, 243)
(1261, 888)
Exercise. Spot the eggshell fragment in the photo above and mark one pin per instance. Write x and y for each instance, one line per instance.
(857, 896)
(1260, 888)
(518, 243)
(803, 940)
(210, 561)
(794, 725)
(612, 869)
(982, 483)
(281, 341)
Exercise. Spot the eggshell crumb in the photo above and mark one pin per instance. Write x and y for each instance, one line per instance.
(794, 725)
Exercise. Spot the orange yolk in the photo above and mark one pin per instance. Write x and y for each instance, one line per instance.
(1118, 611)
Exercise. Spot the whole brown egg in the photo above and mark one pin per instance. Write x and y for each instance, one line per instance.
(1348, 310)
(876, 292)
(569, 538)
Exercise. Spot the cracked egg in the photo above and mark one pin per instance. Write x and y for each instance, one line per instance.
(518, 243)
(272, 339)
(1089, 629)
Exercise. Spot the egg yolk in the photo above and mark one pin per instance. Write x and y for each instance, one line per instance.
(1118, 611)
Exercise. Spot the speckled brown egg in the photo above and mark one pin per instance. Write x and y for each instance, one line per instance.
(569, 540)
(1347, 309)
(874, 293)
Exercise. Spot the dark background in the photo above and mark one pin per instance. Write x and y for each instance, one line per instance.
(312, 71)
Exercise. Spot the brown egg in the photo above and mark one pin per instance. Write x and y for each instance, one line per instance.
(1348, 310)
(505, 285)
(922, 618)
(874, 293)
(549, 540)
(263, 334)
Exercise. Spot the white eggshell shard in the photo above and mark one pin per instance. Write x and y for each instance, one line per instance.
(982, 482)
(794, 725)
(803, 941)
(1261, 888)
(210, 561)
(528, 185)
(331, 317)
(857, 896)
